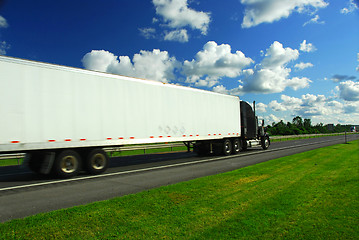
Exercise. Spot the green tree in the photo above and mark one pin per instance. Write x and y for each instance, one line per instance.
(298, 121)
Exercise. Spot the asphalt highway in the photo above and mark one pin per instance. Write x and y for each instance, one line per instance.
(23, 193)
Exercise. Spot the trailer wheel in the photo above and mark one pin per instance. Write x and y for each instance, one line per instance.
(97, 161)
(67, 164)
(236, 145)
(265, 142)
(227, 147)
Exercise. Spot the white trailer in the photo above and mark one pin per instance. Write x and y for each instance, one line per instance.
(62, 117)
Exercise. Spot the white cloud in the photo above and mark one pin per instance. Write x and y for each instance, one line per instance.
(272, 118)
(3, 22)
(272, 75)
(298, 83)
(349, 90)
(220, 89)
(156, 65)
(351, 107)
(266, 80)
(312, 100)
(317, 107)
(277, 56)
(352, 6)
(148, 33)
(268, 11)
(303, 65)
(307, 47)
(291, 102)
(177, 35)
(261, 107)
(214, 62)
(98, 60)
(314, 20)
(4, 46)
(275, 106)
(177, 14)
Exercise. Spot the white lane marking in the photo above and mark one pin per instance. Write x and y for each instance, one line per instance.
(154, 168)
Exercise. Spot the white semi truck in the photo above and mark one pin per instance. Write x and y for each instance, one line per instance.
(63, 117)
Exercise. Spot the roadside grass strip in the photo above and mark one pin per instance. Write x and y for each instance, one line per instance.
(10, 162)
(311, 195)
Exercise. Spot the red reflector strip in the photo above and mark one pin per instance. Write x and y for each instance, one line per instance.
(209, 134)
(197, 135)
(15, 141)
(183, 135)
(191, 135)
(132, 137)
(52, 140)
(152, 137)
(67, 140)
(220, 134)
(168, 136)
(160, 136)
(109, 138)
(120, 138)
(214, 134)
(83, 139)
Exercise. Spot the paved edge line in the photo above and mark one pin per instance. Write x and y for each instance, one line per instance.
(155, 168)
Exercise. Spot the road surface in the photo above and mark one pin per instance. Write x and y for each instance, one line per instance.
(23, 193)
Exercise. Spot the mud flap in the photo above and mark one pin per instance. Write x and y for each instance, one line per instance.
(46, 165)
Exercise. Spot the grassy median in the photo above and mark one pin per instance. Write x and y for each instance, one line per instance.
(312, 195)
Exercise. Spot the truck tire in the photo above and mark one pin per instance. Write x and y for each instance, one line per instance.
(265, 142)
(236, 146)
(67, 164)
(227, 147)
(97, 161)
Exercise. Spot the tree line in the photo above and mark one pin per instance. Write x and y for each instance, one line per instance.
(304, 126)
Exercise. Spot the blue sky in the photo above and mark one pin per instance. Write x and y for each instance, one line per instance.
(293, 57)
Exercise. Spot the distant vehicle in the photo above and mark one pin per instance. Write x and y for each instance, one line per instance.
(63, 117)
(353, 129)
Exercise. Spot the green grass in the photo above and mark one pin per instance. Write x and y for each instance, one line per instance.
(312, 195)
(10, 162)
(291, 137)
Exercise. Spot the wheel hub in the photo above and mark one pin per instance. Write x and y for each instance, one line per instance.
(69, 164)
(98, 161)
